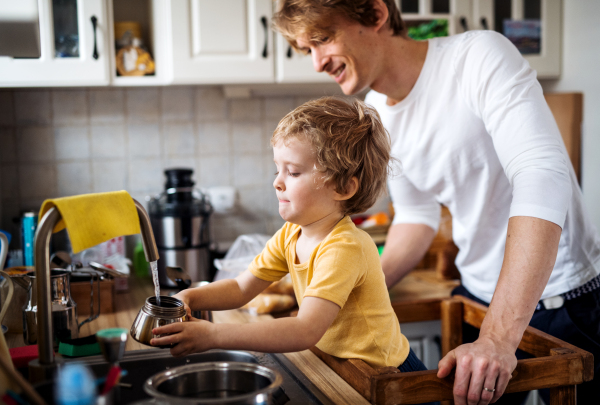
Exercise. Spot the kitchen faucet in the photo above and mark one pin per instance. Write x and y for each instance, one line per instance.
(44, 366)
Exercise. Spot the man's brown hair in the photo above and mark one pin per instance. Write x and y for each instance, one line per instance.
(314, 17)
(349, 141)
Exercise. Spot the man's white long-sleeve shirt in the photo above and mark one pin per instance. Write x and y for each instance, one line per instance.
(476, 135)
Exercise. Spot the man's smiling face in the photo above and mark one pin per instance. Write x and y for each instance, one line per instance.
(347, 56)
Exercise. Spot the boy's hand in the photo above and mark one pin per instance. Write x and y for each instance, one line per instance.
(183, 297)
(189, 337)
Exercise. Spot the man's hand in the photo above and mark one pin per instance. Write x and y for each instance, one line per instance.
(485, 363)
(185, 338)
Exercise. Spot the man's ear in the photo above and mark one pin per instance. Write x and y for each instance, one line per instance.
(382, 13)
(351, 189)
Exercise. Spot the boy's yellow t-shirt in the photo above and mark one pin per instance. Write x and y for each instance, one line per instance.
(345, 269)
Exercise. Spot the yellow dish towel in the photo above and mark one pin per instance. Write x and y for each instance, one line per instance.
(91, 219)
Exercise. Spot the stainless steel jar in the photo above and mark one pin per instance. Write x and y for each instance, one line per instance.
(171, 310)
(230, 383)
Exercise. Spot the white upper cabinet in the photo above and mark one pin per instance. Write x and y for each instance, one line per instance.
(221, 42)
(534, 26)
(73, 39)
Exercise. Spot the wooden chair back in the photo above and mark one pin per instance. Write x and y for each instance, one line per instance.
(557, 365)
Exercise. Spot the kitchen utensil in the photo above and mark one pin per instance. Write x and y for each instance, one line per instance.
(9, 295)
(107, 270)
(171, 310)
(180, 220)
(179, 277)
(217, 383)
(28, 390)
(112, 343)
(3, 249)
(64, 309)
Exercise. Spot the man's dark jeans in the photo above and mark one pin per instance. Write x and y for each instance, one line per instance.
(576, 322)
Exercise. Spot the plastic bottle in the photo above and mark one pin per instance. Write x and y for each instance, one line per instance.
(140, 265)
(75, 386)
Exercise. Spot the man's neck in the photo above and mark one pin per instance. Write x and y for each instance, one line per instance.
(401, 67)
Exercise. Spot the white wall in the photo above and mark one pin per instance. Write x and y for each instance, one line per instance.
(581, 72)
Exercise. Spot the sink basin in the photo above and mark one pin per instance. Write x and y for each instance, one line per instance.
(143, 364)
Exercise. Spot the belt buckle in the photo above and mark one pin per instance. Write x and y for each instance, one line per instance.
(553, 302)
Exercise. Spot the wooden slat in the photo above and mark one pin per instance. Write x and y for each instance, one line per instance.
(534, 341)
(417, 310)
(424, 386)
(355, 372)
(452, 321)
(329, 383)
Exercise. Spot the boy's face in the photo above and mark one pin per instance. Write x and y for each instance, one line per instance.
(348, 57)
(303, 198)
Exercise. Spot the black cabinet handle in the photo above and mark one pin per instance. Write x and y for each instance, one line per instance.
(289, 52)
(484, 23)
(94, 24)
(263, 20)
(463, 23)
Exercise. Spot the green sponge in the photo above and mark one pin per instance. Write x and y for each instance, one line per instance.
(87, 346)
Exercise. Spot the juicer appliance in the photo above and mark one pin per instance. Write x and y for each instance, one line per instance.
(180, 221)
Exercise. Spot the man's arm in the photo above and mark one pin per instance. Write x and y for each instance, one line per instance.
(405, 246)
(531, 248)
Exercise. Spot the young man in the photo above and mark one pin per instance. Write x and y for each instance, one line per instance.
(469, 122)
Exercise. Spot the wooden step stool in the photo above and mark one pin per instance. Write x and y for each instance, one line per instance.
(557, 365)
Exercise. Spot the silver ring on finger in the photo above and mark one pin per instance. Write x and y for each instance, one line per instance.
(492, 390)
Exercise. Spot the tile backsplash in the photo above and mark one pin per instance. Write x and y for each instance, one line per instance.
(60, 142)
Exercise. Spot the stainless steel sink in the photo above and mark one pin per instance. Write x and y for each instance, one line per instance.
(141, 365)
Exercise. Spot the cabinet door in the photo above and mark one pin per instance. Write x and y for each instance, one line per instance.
(225, 41)
(294, 67)
(534, 26)
(73, 48)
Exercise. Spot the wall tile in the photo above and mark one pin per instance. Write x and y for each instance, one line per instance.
(73, 178)
(142, 105)
(37, 181)
(278, 107)
(176, 103)
(7, 110)
(69, 107)
(210, 104)
(213, 171)
(32, 107)
(253, 199)
(247, 138)
(181, 162)
(245, 109)
(248, 170)
(145, 175)
(10, 182)
(108, 141)
(35, 144)
(109, 175)
(179, 139)
(269, 128)
(144, 140)
(107, 106)
(71, 143)
(8, 145)
(11, 210)
(213, 138)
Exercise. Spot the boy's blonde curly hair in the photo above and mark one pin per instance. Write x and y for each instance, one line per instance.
(349, 141)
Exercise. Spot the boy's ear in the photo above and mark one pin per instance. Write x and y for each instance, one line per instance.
(351, 189)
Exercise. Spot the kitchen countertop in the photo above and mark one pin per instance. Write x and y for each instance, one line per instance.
(421, 284)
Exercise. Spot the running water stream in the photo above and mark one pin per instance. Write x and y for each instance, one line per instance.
(154, 267)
